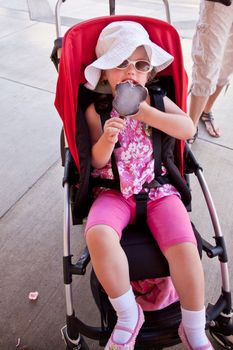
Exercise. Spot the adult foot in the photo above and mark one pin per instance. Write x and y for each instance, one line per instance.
(208, 120)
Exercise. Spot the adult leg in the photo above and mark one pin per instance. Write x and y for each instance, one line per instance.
(225, 72)
(201, 106)
(212, 99)
(209, 43)
(197, 105)
(207, 115)
(223, 80)
(227, 62)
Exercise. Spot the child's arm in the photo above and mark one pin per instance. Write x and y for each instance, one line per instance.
(173, 122)
(103, 141)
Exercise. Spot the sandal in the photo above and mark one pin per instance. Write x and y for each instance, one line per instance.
(112, 345)
(208, 120)
(185, 341)
(193, 139)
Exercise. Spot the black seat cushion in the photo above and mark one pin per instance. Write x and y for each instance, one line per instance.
(144, 255)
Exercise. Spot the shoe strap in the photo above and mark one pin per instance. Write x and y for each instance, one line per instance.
(205, 347)
(122, 328)
(193, 139)
(207, 117)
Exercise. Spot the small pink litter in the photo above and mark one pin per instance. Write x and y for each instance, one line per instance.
(33, 295)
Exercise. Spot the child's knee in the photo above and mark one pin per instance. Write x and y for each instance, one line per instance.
(100, 234)
(92, 234)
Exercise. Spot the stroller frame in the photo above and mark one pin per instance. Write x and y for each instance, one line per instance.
(219, 316)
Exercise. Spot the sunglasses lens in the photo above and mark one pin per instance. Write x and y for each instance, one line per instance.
(123, 65)
(143, 66)
(140, 65)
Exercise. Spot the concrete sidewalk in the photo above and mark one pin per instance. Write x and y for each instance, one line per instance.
(31, 195)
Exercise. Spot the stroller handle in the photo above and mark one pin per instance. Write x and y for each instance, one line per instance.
(58, 17)
(112, 7)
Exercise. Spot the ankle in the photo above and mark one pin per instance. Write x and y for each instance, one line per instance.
(127, 315)
(193, 323)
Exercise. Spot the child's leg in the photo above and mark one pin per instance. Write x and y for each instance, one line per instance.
(174, 234)
(108, 259)
(111, 267)
(187, 276)
(110, 262)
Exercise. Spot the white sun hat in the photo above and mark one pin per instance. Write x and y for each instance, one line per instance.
(117, 42)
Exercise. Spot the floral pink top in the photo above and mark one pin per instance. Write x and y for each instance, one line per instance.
(135, 162)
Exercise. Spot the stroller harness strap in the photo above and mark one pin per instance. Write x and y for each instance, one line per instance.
(157, 102)
(159, 180)
(142, 197)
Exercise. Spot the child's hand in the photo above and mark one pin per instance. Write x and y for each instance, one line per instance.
(142, 111)
(128, 98)
(112, 127)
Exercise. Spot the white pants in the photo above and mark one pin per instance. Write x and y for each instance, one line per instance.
(212, 48)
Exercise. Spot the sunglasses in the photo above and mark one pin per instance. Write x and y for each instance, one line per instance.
(140, 65)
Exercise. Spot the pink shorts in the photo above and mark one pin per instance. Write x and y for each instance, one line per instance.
(167, 217)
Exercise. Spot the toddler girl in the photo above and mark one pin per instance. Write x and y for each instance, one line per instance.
(125, 54)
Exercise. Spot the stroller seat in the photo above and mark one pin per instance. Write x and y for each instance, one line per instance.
(142, 250)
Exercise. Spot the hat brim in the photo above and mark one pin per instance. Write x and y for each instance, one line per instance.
(158, 57)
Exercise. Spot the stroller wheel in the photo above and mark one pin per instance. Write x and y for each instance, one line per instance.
(225, 341)
(79, 344)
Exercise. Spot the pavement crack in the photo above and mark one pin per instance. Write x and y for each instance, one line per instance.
(28, 85)
(216, 144)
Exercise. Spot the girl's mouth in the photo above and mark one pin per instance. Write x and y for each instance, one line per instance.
(131, 81)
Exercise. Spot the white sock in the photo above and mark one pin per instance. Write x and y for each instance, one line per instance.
(194, 327)
(127, 315)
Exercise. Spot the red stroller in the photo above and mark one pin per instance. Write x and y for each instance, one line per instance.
(160, 328)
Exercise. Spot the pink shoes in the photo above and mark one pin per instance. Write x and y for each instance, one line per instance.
(111, 345)
(186, 342)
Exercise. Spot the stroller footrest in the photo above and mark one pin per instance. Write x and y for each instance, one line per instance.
(79, 268)
(213, 251)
